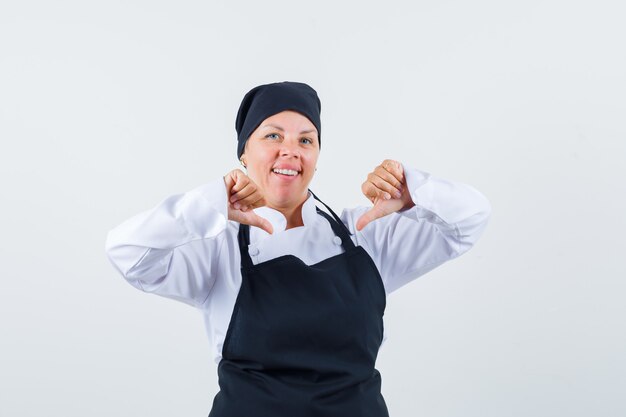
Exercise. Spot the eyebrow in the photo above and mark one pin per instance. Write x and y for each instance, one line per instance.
(282, 130)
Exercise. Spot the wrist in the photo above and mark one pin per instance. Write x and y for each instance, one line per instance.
(406, 198)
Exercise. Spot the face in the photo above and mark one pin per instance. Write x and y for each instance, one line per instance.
(280, 156)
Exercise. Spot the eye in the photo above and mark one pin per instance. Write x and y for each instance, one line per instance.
(310, 141)
(272, 134)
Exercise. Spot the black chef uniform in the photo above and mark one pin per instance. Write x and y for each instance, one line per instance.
(303, 339)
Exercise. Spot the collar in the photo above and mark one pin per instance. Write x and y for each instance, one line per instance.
(279, 221)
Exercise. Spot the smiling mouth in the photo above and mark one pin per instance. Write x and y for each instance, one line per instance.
(286, 172)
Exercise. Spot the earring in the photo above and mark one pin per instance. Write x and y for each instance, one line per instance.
(242, 164)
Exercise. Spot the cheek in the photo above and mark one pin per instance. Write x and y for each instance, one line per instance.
(313, 163)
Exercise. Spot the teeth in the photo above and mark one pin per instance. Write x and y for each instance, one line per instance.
(286, 171)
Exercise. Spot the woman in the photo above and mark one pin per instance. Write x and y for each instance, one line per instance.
(293, 297)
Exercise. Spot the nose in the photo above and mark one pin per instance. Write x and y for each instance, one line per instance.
(289, 148)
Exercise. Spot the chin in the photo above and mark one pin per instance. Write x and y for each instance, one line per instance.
(285, 199)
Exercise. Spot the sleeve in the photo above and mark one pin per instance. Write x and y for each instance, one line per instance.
(446, 221)
(172, 249)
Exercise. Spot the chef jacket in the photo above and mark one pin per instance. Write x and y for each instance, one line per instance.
(186, 249)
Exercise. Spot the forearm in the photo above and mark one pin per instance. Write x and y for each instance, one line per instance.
(458, 210)
(179, 219)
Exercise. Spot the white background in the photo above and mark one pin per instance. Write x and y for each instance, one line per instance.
(108, 107)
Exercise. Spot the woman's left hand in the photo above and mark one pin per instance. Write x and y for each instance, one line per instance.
(386, 188)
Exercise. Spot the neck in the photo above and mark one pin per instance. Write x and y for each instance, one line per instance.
(293, 214)
(294, 217)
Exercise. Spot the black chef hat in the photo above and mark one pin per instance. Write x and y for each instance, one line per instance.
(266, 100)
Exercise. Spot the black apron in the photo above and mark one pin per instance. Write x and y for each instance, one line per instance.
(302, 340)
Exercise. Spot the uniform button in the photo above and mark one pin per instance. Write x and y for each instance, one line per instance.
(254, 251)
(337, 240)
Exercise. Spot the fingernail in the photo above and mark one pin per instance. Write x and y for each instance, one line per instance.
(387, 196)
(398, 194)
(237, 205)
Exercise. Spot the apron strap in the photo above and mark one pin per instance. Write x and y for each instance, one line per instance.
(339, 229)
(244, 241)
(333, 213)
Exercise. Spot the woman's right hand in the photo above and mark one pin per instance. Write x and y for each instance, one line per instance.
(243, 196)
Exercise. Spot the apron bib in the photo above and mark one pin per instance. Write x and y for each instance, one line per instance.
(303, 339)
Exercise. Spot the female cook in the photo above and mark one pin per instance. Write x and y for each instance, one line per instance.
(293, 297)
